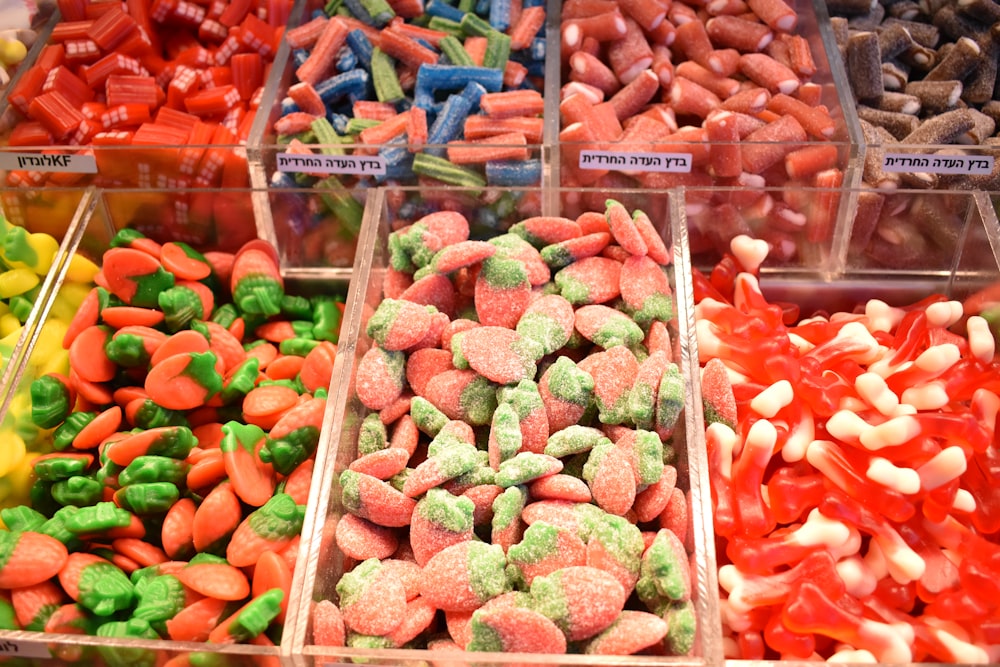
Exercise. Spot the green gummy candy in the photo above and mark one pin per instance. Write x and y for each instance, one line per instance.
(120, 656)
(569, 383)
(277, 519)
(59, 467)
(426, 416)
(373, 436)
(77, 490)
(21, 518)
(104, 589)
(355, 640)
(507, 507)
(572, 288)
(525, 467)
(594, 460)
(399, 256)
(160, 599)
(420, 243)
(447, 511)
(150, 498)
(505, 431)
(487, 568)
(523, 397)
(543, 330)
(97, 518)
(647, 454)
(256, 616)
(478, 401)
(455, 459)
(618, 330)
(540, 541)
(49, 401)
(574, 439)
(682, 623)
(504, 273)
(620, 538)
(664, 570)
(181, 305)
(146, 469)
(458, 359)
(670, 398)
(149, 287)
(655, 307)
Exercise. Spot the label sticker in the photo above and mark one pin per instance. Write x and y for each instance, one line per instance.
(11, 647)
(678, 163)
(67, 164)
(361, 165)
(938, 164)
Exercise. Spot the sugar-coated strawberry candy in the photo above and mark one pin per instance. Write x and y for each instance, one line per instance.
(464, 576)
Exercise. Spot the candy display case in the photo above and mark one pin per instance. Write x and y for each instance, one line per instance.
(731, 102)
(803, 375)
(104, 214)
(400, 211)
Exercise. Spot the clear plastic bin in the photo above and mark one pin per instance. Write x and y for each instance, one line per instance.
(961, 262)
(104, 213)
(489, 214)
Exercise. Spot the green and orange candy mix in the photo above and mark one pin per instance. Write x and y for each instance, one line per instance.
(177, 450)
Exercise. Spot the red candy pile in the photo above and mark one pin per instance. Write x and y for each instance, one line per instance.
(852, 464)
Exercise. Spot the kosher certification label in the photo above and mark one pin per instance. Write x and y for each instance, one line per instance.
(10, 648)
(973, 165)
(359, 165)
(45, 162)
(678, 163)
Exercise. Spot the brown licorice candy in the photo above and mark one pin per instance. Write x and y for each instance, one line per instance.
(864, 66)
(900, 103)
(945, 128)
(959, 62)
(899, 125)
(935, 96)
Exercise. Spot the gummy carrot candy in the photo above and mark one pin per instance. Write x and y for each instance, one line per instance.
(256, 282)
(135, 277)
(96, 584)
(271, 527)
(28, 558)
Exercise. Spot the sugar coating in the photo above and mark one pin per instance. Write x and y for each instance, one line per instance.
(645, 452)
(613, 371)
(372, 600)
(560, 487)
(549, 322)
(375, 500)
(581, 600)
(372, 436)
(608, 473)
(642, 397)
(361, 539)
(564, 253)
(525, 467)
(543, 549)
(512, 246)
(652, 501)
(458, 256)
(423, 365)
(664, 572)
(498, 354)
(669, 399)
(327, 624)
(505, 435)
(631, 632)
(543, 231)
(623, 229)
(515, 630)
(574, 439)
(502, 292)
(646, 291)
(615, 545)
(447, 463)
(433, 290)
(396, 325)
(607, 327)
(717, 394)
(590, 280)
(463, 395)
(449, 226)
(426, 416)
(381, 377)
(506, 525)
(439, 521)
(567, 391)
(533, 421)
(463, 576)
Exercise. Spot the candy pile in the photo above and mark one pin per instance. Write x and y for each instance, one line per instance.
(512, 489)
(182, 443)
(852, 464)
(171, 73)
(922, 74)
(726, 82)
(26, 258)
(398, 76)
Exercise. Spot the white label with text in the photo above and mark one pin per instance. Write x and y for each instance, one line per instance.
(361, 165)
(67, 164)
(678, 163)
(11, 647)
(975, 165)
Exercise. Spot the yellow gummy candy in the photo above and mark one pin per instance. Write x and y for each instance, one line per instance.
(12, 51)
(81, 269)
(12, 451)
(10, 326)
(46, 247)
(17, 281)
(74, 293)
